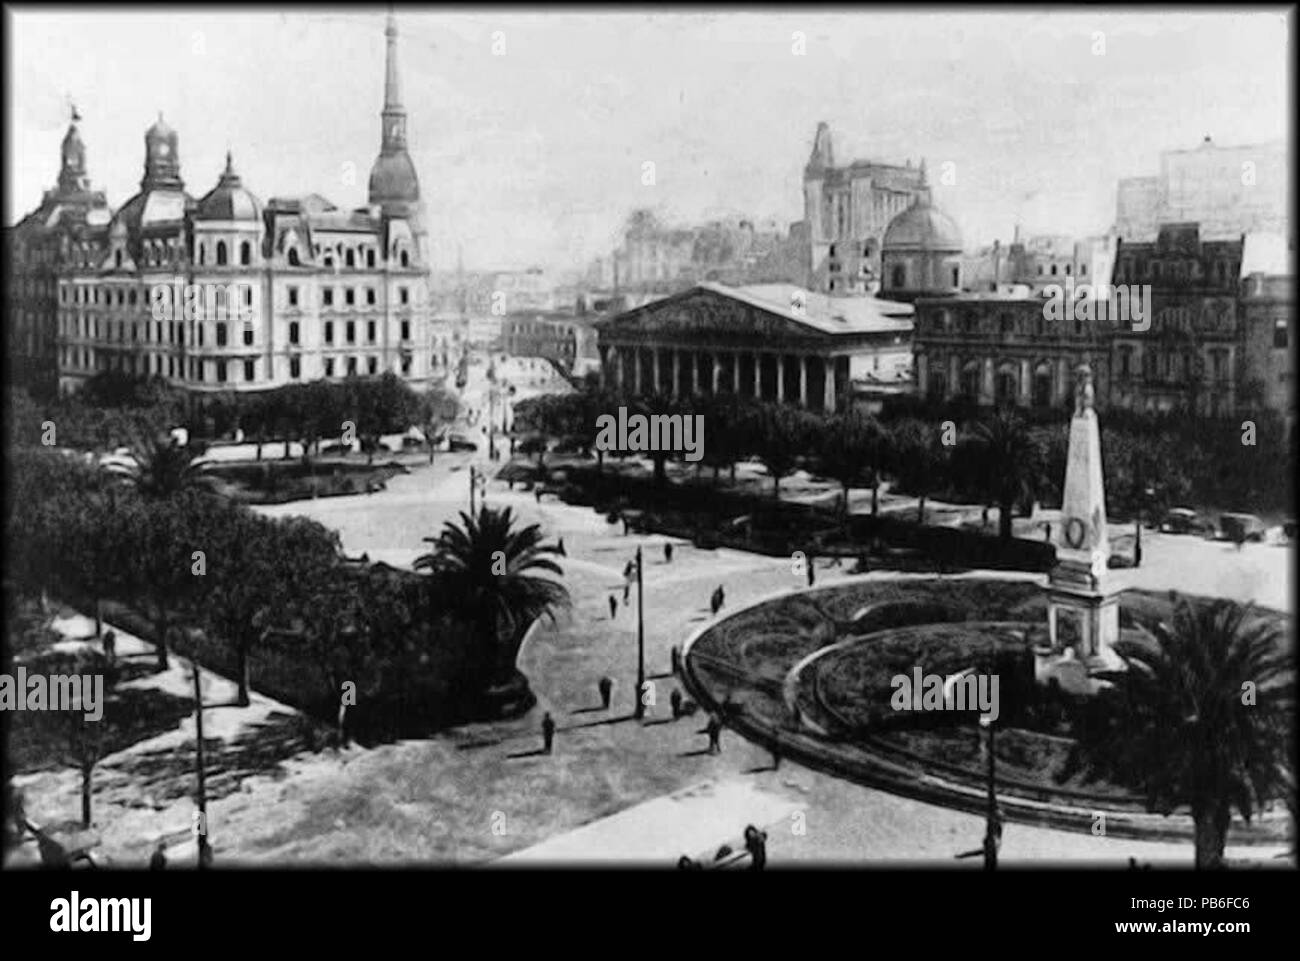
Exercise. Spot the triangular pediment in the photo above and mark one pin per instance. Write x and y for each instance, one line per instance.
(700, 311)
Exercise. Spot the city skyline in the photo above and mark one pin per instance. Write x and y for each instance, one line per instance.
(528, 159)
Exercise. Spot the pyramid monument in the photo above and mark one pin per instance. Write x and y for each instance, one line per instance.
(1082, 607)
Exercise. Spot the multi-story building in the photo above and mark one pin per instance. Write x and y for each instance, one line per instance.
(224, 292)
(566, 338)
(1037, 262)
(522, 290)
(846, 211)
(1266, 314)
(1229, 191)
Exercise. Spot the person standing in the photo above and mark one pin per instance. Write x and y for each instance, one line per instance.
(159, 860)
(675, 699)
(714, 730)
(613, 606)
(756, 845)
(675, 659)
(548, 732)
(606, 686)
(668, 552)
(110, 645)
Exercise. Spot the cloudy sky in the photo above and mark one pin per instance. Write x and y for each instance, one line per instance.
(530, 131)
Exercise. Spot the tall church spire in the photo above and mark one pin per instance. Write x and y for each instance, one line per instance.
(393, 183)
(394, 114)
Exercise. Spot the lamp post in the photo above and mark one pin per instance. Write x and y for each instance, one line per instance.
(640, 639)
(198, 764)
(471, 490)
(993, 822)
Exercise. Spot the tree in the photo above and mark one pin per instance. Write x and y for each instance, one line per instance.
(438, 408)
(1009, 463)
(849, 448)
(161, 467)
(491, 574)
(782, 433)
(1199, 718)
(918, 460)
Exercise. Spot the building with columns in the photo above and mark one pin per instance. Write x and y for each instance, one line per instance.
(294, 289)
(773, 342)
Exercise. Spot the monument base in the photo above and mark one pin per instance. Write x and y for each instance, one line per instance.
(1083, 628)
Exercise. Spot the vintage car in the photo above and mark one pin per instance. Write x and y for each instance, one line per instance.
(1183, 520)
(1242, 528)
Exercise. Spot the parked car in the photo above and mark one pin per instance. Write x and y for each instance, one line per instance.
(1183, 520)
(1242, 528)
(459, 442)
(412, 443)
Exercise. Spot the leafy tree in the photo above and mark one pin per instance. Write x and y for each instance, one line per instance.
(849, 450)
(1009, 463)
(918, 460)
(1179, 726)
(782, 435)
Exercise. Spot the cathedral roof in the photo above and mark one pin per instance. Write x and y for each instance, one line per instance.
(393, 178)
(922, 227)
(229, 200)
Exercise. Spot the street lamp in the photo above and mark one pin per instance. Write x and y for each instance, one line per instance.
(993, 821)
(640, 639)
(204, 854)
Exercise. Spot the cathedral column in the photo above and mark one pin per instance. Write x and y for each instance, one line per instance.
(758, 376)
(735, 372)
(717, 372)
(803, 380)
(828, 385)
(780, 378)
(1026, 383)
(655, 363)
(695, 373)
(676, 358)
(986, 382)
(1062, 380)
(922, 375)
(619, 375)
(636, 370)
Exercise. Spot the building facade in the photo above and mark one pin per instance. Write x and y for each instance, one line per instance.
(846, 211)
(223, 292)
(768, 342)
(566, 339)
(1228, 191)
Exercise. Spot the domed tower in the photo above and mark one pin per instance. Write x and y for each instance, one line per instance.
(72, 169)
(921, 252)
(393, 183)
(162, 162)
(228, 200)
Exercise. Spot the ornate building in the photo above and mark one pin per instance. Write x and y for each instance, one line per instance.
(291, 290)
(772, 342)
(846, 211)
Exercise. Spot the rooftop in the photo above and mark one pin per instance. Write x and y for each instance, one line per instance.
(832, 315)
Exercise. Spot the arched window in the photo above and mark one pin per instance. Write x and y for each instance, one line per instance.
(350, 259)
(293, 257)
(245, 253)
(406, 259)
(370, 258)
(221, 253)
(956, 276)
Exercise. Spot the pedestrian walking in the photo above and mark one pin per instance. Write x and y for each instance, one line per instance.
(756, 845)
(714, 730)
(548, 732)
(159, 860)
(110, 645)
(613, 606)
(675, 699)
(668, 553)
(1048, 527)
(606, 686)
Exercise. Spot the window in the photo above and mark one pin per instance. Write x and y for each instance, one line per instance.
(135, 333)
(329, 331)
(1053, 270)
(372, 365)
(248, 336)
(351, 332)
(221, 253)
(203, 259)
(1007, 323)
(1083, 270)
(349, 296)
(406, 330)
(329, 366)
(352, 366)
(406, 259)
(898, 278)
(1067, 270)
(370, 258)
(221, 335)
(832, 250)
(956, 276)
(295, 367)
(293, 332)
(370, 296)
(293, 296)
(249, 373)
(221, 372)
(403, 295)
(246, 294)
(370, 332)
(350, 259)
(406, 366)
(327, 297)
(293, 256)
(158, 331)
(131, 298)
(1280, 338)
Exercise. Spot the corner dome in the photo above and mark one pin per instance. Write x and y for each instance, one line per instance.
(229, 200)
(922, 227)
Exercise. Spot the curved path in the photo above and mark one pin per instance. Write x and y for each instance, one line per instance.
(763, 657)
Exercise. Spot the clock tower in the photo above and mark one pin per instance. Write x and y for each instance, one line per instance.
(162, 162)
(1082, 609)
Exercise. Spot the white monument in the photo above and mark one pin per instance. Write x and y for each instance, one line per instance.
(1082, 612)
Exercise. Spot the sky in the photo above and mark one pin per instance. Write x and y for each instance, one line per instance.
(531, 131)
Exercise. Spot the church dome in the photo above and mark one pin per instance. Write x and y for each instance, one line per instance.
(393, 179)
(922, 227)
(160, 131)
(229, 200)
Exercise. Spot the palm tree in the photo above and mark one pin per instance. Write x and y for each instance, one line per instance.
(161, 467)
(1009, 462)
(1199, 718)
(490, 573)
